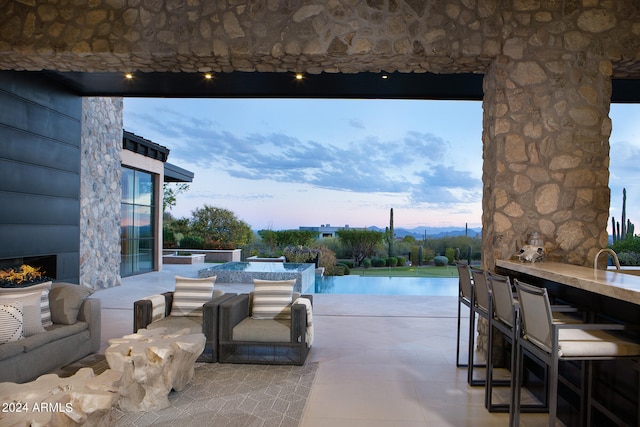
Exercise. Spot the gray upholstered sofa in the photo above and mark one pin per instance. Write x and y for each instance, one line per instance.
(62, 343)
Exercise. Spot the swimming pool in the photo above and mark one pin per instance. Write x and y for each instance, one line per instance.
(368, 285)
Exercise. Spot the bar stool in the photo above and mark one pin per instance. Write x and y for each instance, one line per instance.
(555, 342)
(505, 317)
(479, 307)
(465, 297)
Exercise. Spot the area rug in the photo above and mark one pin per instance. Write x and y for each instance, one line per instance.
(226, 395)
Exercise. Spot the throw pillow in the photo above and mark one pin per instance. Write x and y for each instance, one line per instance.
(272, 299)
(65, 300)
(10, 322)
(45, 312)
(32, 320)
(190, 295)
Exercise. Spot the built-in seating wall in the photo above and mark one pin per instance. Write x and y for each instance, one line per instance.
(40, 128)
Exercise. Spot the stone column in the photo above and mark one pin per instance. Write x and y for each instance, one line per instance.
(100, 192)
(546, 155)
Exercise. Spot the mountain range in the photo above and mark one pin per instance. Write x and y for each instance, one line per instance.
(432, 232)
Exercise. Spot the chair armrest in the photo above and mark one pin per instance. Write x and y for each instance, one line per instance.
(143, 311)
(168, 300)
(232, 312)
(308, 296)
(211, 315)
(298, 323)
(90, 312)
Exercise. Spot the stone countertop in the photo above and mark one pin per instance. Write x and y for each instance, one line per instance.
(625, 287)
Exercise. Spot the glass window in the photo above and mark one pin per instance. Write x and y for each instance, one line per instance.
(143, 222)
(137, 222)
(127, 185)
(144, 189)
(126, 221)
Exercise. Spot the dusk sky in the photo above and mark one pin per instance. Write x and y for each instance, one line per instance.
(285, 163)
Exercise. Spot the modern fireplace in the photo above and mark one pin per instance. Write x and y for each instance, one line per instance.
(45, 266)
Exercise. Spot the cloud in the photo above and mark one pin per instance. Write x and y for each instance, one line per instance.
(444, 184)
(410, 164)
(626, 158)
(356, 123)
(227, 196)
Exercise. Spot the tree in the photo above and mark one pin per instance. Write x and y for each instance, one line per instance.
(361, 243)
(170, 193)
(219, 228)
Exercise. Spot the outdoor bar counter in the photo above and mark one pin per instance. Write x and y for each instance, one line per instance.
(609, 296)
(609, 283)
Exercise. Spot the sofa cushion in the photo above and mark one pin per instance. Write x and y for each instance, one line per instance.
(53, 333)
(45, 312)
(65, 300)
(11, 349)
(262, 330)
(10, 322)
(272, 299)
(176, 323)
(190, 295)
(32, 317)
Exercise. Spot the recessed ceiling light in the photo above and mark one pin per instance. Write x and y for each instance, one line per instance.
(299, 76)
(208, 76)
(384, 76)
(128, 76)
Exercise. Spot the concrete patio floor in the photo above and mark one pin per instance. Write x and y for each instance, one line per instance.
(383, 360)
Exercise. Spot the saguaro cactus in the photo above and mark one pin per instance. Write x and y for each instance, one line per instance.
(625, 228)
(392, 236)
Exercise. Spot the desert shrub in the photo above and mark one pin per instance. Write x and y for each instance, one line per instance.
(629, 258)
(301, 254)
(450, 253)
(401, 260)
(630, 244)
(347, 262)
(327, 259)
(192, 242)
(427, 254)
(441, 261)
(392, 261)
(378, 262)
(366, 263)
(342, 269)
(439, 245)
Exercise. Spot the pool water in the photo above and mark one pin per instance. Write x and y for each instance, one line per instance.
(367, 285)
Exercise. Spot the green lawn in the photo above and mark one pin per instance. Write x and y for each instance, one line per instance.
(427, 271)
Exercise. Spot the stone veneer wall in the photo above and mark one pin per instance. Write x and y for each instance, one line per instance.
(100, 192)
(547, 67)
(546, 140)
(440, 36)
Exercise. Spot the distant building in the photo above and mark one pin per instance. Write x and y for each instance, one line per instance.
(326, 230)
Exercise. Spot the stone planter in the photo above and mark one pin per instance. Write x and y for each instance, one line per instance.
(223, 255)
(183, 259)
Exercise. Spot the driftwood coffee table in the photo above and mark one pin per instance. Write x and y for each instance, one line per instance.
(81, 399)
(152, 363)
